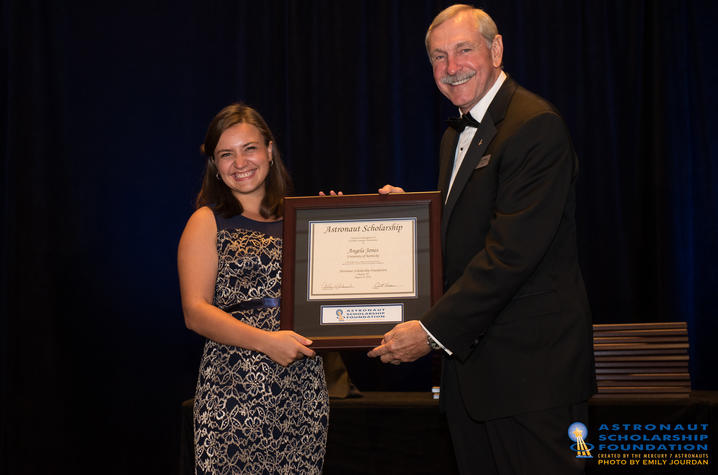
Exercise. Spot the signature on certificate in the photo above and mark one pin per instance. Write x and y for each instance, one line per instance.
(336, 285)
(383, 285)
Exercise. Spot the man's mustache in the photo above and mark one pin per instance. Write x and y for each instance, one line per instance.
(453, 79)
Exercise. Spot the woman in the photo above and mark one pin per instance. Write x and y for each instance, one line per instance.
(261, 404)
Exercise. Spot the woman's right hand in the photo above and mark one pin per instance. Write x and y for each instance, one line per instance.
(285, 347)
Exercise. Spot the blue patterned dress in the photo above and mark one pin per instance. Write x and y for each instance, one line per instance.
(252, 415)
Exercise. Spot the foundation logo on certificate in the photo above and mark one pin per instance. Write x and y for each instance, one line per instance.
(374, 313)
(578, 432)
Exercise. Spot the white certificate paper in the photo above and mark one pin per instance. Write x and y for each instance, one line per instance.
(355, 259)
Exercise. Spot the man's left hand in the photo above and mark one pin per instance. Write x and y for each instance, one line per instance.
(404, 343)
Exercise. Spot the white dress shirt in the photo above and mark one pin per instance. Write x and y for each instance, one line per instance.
(467, 135)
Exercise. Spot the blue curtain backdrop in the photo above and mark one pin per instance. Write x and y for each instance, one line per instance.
(105, 107)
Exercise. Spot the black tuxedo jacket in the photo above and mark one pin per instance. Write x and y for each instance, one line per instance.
(514, 312)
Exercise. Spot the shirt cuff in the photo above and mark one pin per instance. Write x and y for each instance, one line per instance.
(448, 351)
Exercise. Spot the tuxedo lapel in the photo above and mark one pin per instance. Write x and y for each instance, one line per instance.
(482, 138)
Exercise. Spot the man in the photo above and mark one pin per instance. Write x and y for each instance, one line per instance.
(514, 321)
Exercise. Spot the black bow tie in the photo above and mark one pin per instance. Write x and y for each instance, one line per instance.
(460, 123)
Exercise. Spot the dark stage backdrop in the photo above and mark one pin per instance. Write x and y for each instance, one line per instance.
(106, 104)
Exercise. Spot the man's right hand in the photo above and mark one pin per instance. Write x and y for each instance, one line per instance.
(386, 189)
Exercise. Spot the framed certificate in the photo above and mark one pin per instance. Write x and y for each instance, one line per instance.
(354, 266)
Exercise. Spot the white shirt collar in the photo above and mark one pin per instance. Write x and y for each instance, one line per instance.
(479, 110)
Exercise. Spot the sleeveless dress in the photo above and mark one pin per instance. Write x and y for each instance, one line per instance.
(252, 415)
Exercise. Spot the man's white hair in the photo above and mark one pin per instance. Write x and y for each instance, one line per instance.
(485, 24)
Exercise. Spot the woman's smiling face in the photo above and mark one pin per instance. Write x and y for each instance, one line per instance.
(243, 159)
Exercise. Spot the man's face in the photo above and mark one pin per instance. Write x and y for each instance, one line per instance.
(464, 66)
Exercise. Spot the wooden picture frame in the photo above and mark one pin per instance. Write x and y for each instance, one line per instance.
(372, 244)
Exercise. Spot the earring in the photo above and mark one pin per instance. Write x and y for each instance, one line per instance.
(217, 175)
(271, 162)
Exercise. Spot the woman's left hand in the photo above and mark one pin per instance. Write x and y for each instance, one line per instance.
(286, 347)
